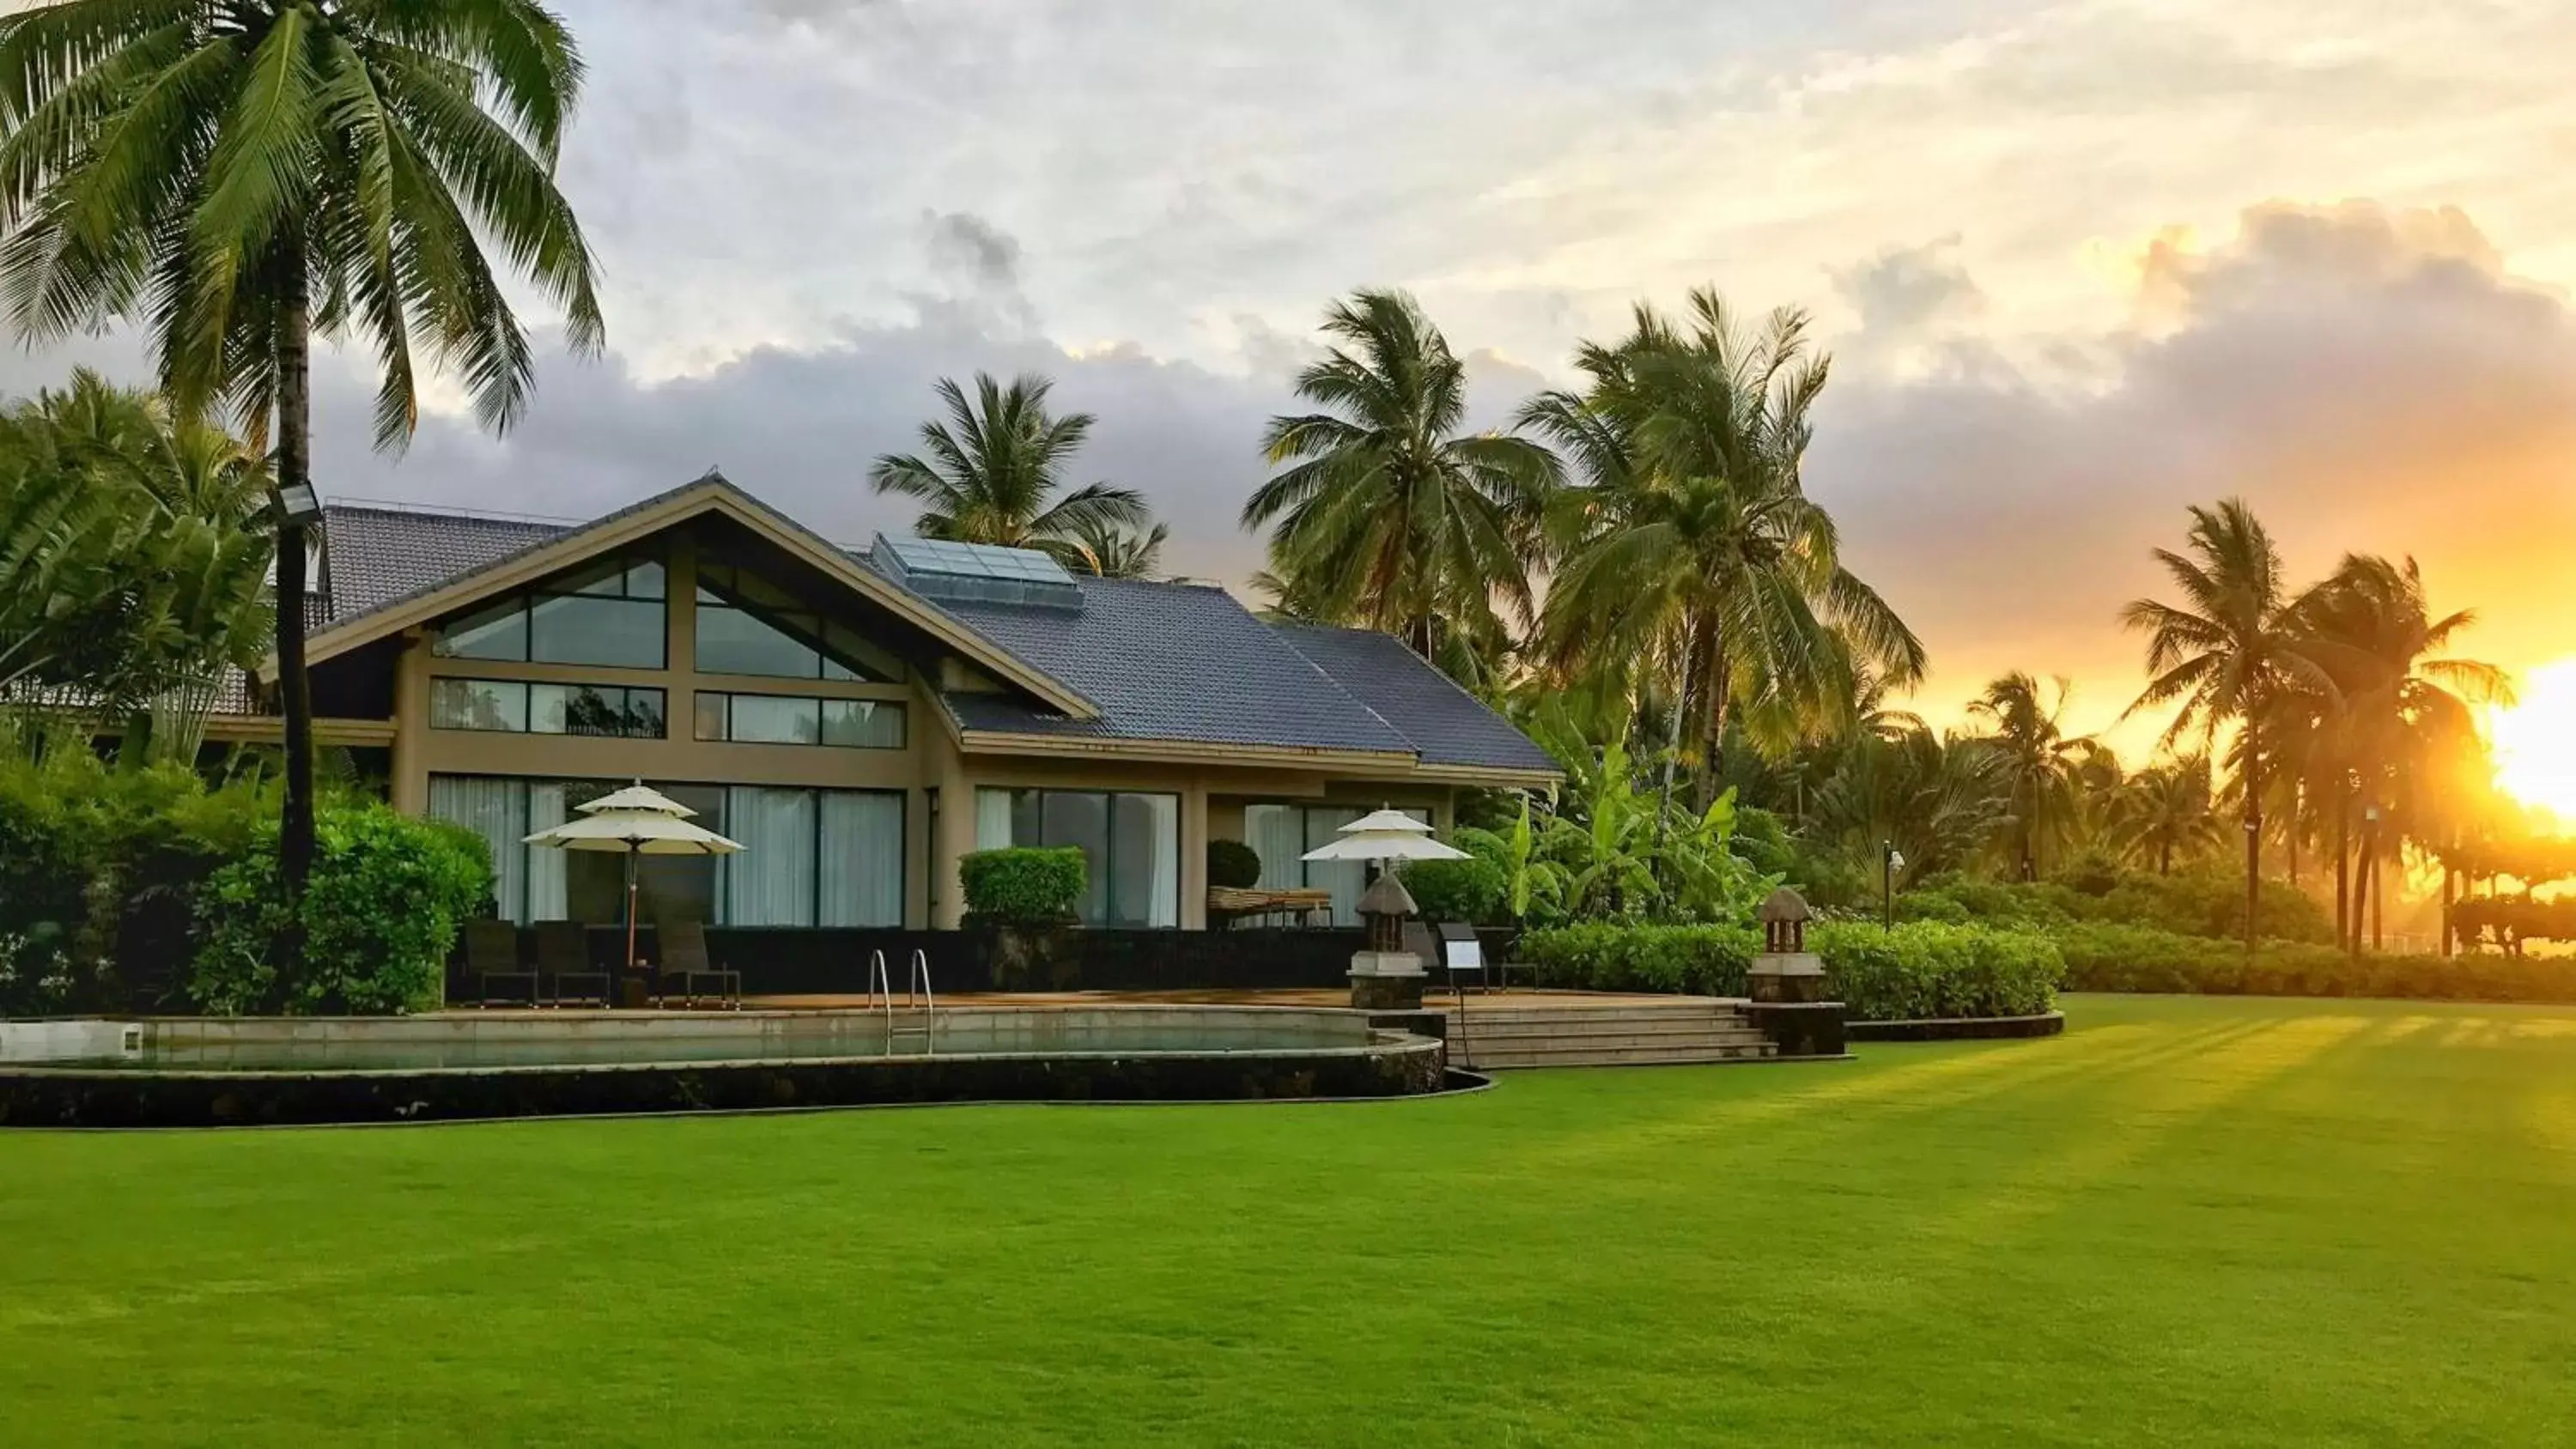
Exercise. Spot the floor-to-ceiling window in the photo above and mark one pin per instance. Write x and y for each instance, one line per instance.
(810, 857)
(1282, 834)
(1130, 843)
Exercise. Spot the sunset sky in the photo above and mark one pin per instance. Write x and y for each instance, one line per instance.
(2079, 264)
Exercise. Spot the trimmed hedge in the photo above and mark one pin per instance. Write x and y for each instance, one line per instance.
(1919, 969)
(1925, 969)
(1023, 885)
(2136, 958)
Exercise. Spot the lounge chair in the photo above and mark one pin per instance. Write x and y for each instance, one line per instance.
(492, 954)
(563, 954)
(685, 967)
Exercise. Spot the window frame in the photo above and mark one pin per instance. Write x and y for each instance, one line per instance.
(1109, 840)
(522, 784)
(902, 717)
(526, 690)
(579, 583)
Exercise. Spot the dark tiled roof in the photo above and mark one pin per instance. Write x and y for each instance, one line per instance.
(1169, 662)
(1446, 724)
(1178, 662)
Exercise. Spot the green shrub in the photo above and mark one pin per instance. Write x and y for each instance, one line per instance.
(1924, 969)
(1477, 889)
(1920, 969)
(99, 867)
(382, 908)
(1023, 885)
(1627, 956)
(2105, 957)
(1233, 865)
(2205, 902)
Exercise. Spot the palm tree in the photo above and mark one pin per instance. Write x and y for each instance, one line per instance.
(2034, 756)
(236, 177)
(1692, 550)
(2166, 810)
(1937, 801)
(993, 470)
(1116, 551)
(1388, 515)
(2404, 707)
(138, 548)
(2223, 653)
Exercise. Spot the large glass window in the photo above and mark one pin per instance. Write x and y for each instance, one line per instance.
(609, 612)
(747, 625)
(612, 711)
(1282, 834)
(1129, 841)
(810, 857)
(774, 719)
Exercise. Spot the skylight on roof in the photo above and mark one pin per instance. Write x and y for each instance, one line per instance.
(977, 572)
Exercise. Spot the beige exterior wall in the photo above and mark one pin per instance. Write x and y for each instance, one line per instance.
(938, 779)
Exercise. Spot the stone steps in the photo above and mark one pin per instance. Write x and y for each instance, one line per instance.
(1682, 1030)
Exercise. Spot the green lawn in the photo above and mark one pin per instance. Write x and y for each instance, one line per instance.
(2185, 1222)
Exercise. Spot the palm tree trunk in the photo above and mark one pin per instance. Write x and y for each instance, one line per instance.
(2365, 878)
(2447, 897)
(2378, 893)
(2298, 800)
(2343, 865)
(294, 468)
(2253, 830)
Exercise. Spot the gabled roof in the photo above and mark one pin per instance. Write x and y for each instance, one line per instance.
(402, 599)
(1137, 667)
(1445, 724)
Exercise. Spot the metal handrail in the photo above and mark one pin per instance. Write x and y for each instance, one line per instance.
(919, 971)
(880, 986)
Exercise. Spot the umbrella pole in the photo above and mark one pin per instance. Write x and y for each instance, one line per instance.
(630, 910)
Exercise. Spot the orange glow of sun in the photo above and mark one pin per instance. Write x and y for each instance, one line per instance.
(2535, 741)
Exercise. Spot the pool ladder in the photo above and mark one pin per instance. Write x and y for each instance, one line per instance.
(916, 994)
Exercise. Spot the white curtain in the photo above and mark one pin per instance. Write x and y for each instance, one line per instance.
(1346, 879)
(1164, 811)
(1277, 833)
(547, 899)
(862, 865)
(993, 820)
(771, 882)
(496, 809)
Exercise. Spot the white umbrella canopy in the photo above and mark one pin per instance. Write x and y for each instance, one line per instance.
(1385, 835)
(641, 831)
(637, 797)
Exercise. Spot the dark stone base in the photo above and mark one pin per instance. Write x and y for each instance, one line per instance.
(1800, 1028)
(60, 1097)
(1386, 993)
(1960, 1028)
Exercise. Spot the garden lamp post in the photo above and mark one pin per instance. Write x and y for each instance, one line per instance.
(1890, 861)
(297, 511)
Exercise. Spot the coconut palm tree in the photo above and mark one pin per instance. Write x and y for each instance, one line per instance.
(2222, 654)
(2166, 810)
(1937, 801)
(1388, 514)
(1692, 550)
(991, 472)
(1117, 551)
(2404, 706)
(236, 177)
(2035, 758)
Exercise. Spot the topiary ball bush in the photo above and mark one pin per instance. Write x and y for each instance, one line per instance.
(1233, 865)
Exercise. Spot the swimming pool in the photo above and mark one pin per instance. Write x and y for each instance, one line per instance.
(218, 1071)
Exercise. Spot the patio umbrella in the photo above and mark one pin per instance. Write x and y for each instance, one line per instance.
(635, 821)
(1386, 835)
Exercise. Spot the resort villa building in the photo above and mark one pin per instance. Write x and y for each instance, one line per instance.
(860, 719)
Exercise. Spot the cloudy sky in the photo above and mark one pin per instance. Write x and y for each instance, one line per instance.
(2080, 263)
